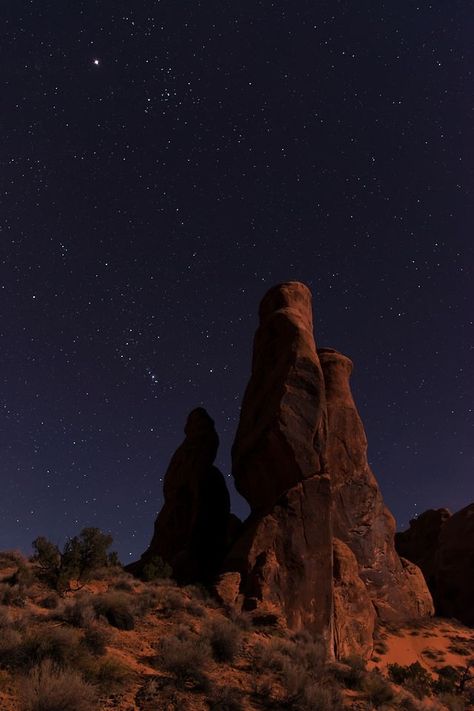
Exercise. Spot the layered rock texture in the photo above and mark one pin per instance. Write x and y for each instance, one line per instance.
(317, 550)
(443, 546)
(284, 554)
(359, 517)
(191, 531)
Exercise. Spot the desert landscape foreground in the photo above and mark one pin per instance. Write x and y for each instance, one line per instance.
(128, 645)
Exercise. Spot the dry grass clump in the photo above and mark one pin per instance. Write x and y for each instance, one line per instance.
(377, 690)
(109, 674)
(184, 656)
(58, 644)
(12, 595)
(225, 698)
(95, 641)
(224, 638)
(79, 612)
(117, 608)
(350, 672)
(48, 688)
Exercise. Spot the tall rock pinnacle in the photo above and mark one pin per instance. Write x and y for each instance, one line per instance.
(191, 529)
(359, 517)
(282, 430)
(284, 554)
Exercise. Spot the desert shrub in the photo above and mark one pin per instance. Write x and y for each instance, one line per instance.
(350, 672)
(170, 600)
(48, 688)
(116, 609)
(124, 585)
(195, 609)
(453, 702)
(50, 602)
(224, 638)
(107, 673)
(156, 569)
(185, 656)
(10, 644)
(59, 645)
(304, 693)
(77, 613)
(8, 559)
(146, 601)
(95, 641)
(225, 698)
(80, 557)
(448, 680)
(414, 677)
(163, 697)
(376, 689)
(11, 595)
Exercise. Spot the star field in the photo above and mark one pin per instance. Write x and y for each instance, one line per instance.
(161, 167)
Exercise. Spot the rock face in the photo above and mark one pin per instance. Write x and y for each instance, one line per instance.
(284, 553)
(317, 551)
(282, 430)
(359, 516)
(420, 543)
(443, 546)
(191, 529)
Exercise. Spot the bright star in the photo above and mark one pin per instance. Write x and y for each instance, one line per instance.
(96, 62)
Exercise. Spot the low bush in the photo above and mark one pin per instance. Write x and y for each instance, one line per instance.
(225, 698)
(77, 613)
(156, 569)
(59, 645)
(116, 607)
(184, 657)
(377, 690)
(109, 674)
(224, 638)
(413, 677)
(453, 702)
(95, 641)
(50, 602)
(350, 672)
(48, 688)
(11, 595)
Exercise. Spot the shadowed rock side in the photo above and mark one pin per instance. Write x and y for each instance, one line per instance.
(359, 517)
(443, 546)
(191, 530)
(284, 553)
(420, 544)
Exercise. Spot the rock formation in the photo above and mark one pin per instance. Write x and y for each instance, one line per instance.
(192, 528)
(359, 516)
(284, 553)
(443, 546)
(299, 458)
(317, 550)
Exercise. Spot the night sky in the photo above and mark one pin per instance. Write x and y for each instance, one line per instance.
(164, 163)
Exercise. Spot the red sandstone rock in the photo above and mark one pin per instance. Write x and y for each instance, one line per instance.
(354, 614)
(420, 543)
(191, 529)
(443, 546)
(359, 516)
(282, 429)
(284, 553)
(285, 558)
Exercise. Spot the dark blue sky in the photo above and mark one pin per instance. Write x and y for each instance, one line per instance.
(162, 165)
